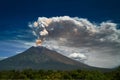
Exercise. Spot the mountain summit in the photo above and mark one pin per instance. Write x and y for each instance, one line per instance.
(41, 58)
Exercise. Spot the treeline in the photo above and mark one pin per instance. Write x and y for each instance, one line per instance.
(29, 74)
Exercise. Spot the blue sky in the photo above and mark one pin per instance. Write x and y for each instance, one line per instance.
(16, 14)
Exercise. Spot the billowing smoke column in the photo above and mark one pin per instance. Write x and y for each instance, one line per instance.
(39, 29)
(94, 44)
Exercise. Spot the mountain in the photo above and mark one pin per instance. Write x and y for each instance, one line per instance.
(42, 58)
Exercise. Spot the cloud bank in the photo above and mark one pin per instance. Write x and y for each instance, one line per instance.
(94, 44)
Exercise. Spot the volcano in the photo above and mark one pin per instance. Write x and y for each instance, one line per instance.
(42, 58)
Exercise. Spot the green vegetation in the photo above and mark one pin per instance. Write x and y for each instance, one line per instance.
(29, 74)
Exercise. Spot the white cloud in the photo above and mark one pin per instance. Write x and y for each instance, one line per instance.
(78, 56)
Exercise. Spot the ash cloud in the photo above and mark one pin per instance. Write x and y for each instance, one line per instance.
(98, 43)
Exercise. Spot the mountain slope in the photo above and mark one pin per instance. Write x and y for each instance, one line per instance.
(41, 58)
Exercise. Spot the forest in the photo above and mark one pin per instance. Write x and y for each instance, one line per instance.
(29, 74)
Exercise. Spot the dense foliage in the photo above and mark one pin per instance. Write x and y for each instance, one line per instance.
(56, 75)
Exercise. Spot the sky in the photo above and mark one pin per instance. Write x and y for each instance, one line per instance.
(15, 15)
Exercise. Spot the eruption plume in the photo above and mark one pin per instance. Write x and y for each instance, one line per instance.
(97, 44)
